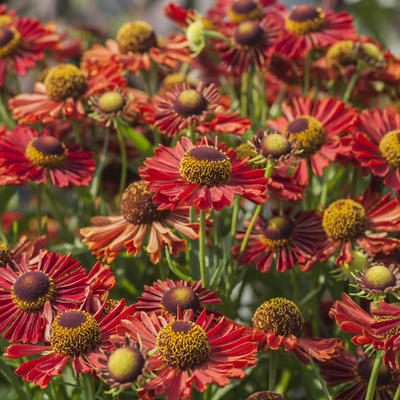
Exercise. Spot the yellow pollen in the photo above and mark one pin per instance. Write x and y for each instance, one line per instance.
(5, 20)
(5, 255)
(246, 28)
(205, 165)
(344, 219)
(74, 332)
(278, 232)
(111, 102)
(183, 345)
(305, 19)
(308, 132)
(10, 39)
(280, 316)
(125, 364)
(390, 148)
(40, 152)
(244, 10)
(341, 54)
(137, 37)
(378, 277)
(189, 98)
(64, 81)
(391, 332)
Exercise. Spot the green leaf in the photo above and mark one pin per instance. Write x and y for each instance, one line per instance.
(139, 141)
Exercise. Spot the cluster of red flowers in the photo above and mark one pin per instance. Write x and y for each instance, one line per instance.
(222, 126)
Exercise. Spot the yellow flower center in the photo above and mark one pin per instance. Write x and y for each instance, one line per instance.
(305, 19)
(5, 255)
(5, 20)
(111, 102)
(74, 332)
(363, 372)
(64, 81)
(31, 291)
(308, 132)
(46, 151)
(248, 34)
(183, 296)
(390, 148)
(205, 165)
(125, 364)
(10, 39)
(280, 316)
(341, 54)
(190, 102)
(244, 10)
(344, 219)
(378, 277)
(137, 205)
(137, 37)
(278, 232)
(275, 145)
(183, 345)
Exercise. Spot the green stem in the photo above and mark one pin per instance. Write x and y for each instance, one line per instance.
(89, 387)
(77, 131)
(146, 80)
(217, 35)
(273, 365)
(235, 213)
(268, 171)
(263, 97)
(16, 83)
(244, 93)
(95, 184)
(192, 133)
(39, 207)
(202, 249)
(307, 68)
(374, 375)
(124, 162)
(397, 394)
(293, 278)
(10, 124)
(353, 81)
(324, 193)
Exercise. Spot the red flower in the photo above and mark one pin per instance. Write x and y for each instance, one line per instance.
(31, 295)
(290, 240)
(23, 41)
(201, 175)
(201, 107)
(347, 220)
(165, 296)
(62, 94)
(356, 372)
(376, 144)
(317, 126)
(29, 156)
(279, 322)
(137, 47)
(309, 27)
(110, 235)
(190, 351)
(74, 335)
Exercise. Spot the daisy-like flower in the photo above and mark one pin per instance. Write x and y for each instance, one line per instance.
(75, 335)
(366, 220)
(290, 240)
(22, 42)
(201, 175)
(136, 47)
(356, 372)
(31, 295)
(63, 94)
(280, 323)
(32, 157)
(309, 27)
(184, 106)
(190, 351)
(376, 144)
(252, 41)
(317, 126)
(108, 236)
(165, 297)
(265, 396)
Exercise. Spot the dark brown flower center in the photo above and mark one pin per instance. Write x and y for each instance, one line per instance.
(32, 289)
(278, 231)
(137, 37)
(46, 151)
(125, 364)
(64, 81)
(190, 102)
(308, 132)
(183, 345)
(344, 219)
(183, 296)
(137, 205)
(248, 34)
(363, 372)
(205, 165)
(390, 148)
(242, 10)
(280, 316)
(74, 332)
(305, 19)
(10, 39)
(378, 277)
(265, 396)
(275, 145)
